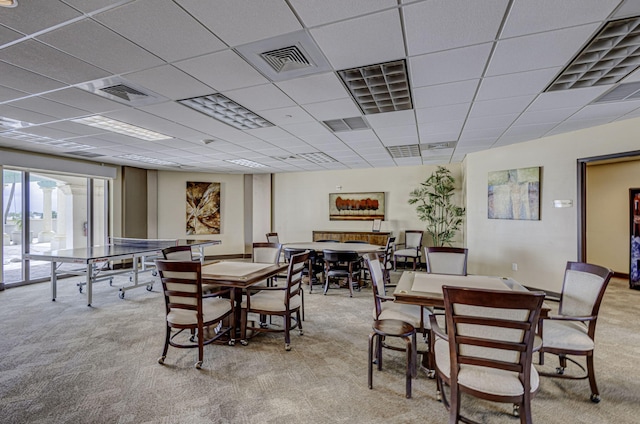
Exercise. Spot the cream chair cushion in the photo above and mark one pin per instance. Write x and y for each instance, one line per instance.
(271, 300)
(569, 335)
(487, 380)
(404, 312)
(212, 307)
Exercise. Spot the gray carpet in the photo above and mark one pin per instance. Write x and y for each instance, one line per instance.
(63, 362)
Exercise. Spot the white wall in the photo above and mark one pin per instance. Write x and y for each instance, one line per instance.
(301, 199)
(540, 248)
(172, 209)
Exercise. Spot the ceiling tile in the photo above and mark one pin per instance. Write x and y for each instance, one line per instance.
(162, 28)
(431, 115)
(314, 89)
(392, 119)
(31, 55)
(50, 108)
(519, 84)
(27, 81)
(532, 51)
(83, 100)
(553, 14)
(362, 41)
(286, 115)
(34, 16)
(449, 66)
(100, 47)
(545, 116)
(260, 97)
(242, 21)
(568, 98)
(7, 35)
(318, 13)
(170, 82)
(500, 106)
(222, 71)
(7, 93)
(335, 109)
(445, 94)
(451, 24)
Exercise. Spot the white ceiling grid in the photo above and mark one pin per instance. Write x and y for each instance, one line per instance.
(477, 72)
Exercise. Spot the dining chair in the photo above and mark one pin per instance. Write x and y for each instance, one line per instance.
(185, 253)
(273, 238)
(342, 265)
(572, 331)
(411, 248)
(281, 301)
(313, 267)
(385, 308)
(446, 260)
(387, 260)
(187, 309)
(488, 348)
(266, 253)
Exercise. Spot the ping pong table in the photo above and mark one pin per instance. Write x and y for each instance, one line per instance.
(96, 261)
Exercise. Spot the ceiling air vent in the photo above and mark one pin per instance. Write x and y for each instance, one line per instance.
(85, 154)
(438, 146)
(286, 59)
(286, 56)
(406, 151)
(346, 124)
(123, 91)
(629, 91)
(610, 56)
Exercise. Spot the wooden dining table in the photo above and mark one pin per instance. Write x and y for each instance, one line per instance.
(360, 248)
(239, 276)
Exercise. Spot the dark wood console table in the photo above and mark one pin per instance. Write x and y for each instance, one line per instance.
(370, 237)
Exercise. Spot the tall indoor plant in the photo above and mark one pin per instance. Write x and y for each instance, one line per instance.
(435, 206)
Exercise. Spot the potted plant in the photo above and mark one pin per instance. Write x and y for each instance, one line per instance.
(435, 206)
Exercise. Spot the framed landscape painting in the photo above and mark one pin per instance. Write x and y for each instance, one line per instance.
(514, 194)
(356, 206)
(203, 208)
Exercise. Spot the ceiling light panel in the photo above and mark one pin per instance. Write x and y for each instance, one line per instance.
(379, 88)
(346, 124)
(610, 56)
(45, 141)
(119, 127)
(317, 157)
(226, 110)
(247, 163)
(146, 159)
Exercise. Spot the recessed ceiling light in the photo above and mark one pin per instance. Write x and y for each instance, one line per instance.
(247, 163)
(611, 55)
(119, 127)
(46, 141)
(317, 157)
(145, 159)
(8, 3)
(379, 88)
(226, 110)
(346, 124)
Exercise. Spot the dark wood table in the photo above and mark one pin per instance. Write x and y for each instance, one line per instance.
(239, 275)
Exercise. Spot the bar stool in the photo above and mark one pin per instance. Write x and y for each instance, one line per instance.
(393, 328)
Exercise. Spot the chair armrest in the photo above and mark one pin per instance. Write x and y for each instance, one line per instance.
(217, 293)
(435, 327)
(387, 298)
(569, 318)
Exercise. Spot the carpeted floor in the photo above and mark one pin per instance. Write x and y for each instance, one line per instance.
(63, 362)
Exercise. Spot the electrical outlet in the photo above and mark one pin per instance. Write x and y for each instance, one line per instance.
(514, 266)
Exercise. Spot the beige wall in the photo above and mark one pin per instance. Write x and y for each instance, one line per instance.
(172, 209)
(301, 200)
(540, 248)
(608, 213)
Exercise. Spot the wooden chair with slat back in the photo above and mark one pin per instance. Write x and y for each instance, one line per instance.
(185, 253)
(342, 265)
(446, 260)
(488, 348)
(187, 309)
(283, 301)
(572, 331)
(273, 238)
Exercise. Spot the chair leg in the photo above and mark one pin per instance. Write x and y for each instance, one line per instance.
(200, 346)
(372, 336)
(454, 404)
(350, 282)
(299, 323)
(302, 303)
(243, 326)
(287, 328)
(595, 394)
(410, 363)
(166, 346)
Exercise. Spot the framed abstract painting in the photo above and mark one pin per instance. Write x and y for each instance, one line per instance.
(203, 208)
(514, 194)
(356, 206)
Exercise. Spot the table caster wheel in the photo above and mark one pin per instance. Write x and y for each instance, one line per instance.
(439, 396)
(595, 398)
(244, 342)
(161, 360)
(431, 374)
(199, 365)
(149, 287)
(560, 371)
(287, 347)
(301, 332)
(232, 342)
(80, 289)
(516, 410)
(121, 295)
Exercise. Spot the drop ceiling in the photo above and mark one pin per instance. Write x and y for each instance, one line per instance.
(478, 76)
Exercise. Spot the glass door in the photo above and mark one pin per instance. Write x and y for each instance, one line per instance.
(12, 264)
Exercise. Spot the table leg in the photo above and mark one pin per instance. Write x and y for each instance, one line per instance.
(89, 283)
(54, 281)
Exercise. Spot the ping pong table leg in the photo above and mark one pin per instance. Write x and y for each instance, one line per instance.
(54, 280)
(89, 283)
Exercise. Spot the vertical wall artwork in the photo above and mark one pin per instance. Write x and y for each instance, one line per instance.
(514, 194)
(203, 208)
